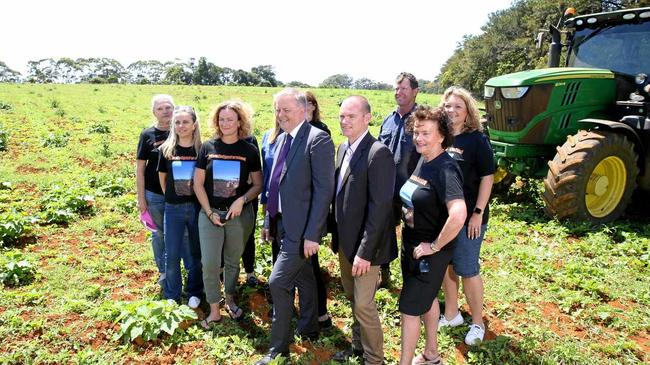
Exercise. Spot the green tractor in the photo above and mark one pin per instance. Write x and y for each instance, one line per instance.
(584, 128)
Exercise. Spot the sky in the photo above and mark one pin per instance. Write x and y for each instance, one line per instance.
(304, 40)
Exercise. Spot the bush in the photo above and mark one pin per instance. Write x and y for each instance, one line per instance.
(56, 139)
(16, 270)
(13, 226)
(5, 106)
(99, 128)
(60, 205)
(109, 185)
(4, 139)
(146, 320)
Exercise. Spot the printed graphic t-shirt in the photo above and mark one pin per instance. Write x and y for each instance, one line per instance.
(427, 192)
(179, 185)
(150, 139)
(227, 168)
(474, 155)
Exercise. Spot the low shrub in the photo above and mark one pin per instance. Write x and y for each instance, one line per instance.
(148, 320)
(16, 270)
(99, 128)
(56, 139)
(61, 205)
(4, 138)
(13, 226)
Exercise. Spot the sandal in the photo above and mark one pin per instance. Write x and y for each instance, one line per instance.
(237, 314)
(423, 360)
(207, 325)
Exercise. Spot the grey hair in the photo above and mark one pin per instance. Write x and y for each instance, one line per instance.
(299, 96)
(161, 98)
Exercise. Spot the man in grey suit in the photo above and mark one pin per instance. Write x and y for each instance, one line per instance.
(300, 191)
(365, 178)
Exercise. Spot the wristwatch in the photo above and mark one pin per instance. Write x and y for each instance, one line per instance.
(478, 210)
(245, 198)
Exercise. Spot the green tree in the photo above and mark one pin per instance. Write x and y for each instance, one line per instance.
(266, 75)
(7, 74)
(338, 81)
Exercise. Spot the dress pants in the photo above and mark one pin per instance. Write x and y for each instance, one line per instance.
(367, 333)
(291, 270)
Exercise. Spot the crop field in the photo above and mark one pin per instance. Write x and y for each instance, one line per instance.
(78, 280)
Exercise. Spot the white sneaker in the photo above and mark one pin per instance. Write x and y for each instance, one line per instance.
(454, 322)
(475, 335)
(193, 302)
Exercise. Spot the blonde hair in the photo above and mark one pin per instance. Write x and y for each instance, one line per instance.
(168, 148)
(473, 120)
(244, 113)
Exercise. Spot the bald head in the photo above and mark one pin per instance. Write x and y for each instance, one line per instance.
(354, 117)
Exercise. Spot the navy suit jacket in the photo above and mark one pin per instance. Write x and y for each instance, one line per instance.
(306, 187)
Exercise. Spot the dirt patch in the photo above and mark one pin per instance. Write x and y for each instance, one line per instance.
(643, 341)
(321, 355)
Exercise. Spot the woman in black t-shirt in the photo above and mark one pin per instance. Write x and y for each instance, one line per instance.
(150, 195)
(433, 213)
(176, 171)
(227, 178)
(472, 151)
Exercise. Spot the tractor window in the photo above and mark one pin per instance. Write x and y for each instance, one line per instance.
(623, 48)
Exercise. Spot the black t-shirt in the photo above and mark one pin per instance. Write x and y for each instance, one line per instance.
(179, 185)
(150, 139)
(427, 192)
(227, 168)
(474, 155)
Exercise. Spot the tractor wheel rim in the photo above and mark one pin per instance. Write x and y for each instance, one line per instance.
(606, 186)
(500, 174)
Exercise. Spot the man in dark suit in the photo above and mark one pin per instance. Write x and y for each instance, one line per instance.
(365, 178)
(300, 191)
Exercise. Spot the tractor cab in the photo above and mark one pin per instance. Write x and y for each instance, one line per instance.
(584, 126)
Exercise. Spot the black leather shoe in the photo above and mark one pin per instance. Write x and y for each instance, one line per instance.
(325, 324)
(268, 358)
(312, 336)
(345, 355)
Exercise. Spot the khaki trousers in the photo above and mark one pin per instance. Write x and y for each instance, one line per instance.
(367, 333)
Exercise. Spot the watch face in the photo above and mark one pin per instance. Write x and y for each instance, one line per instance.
(478, 210)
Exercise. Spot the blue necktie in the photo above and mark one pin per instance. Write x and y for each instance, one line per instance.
(272, 205)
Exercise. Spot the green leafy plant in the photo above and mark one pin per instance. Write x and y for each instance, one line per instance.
(13, 225)
(99, 128)
(5, 106)
(56, 139)
(61, 205)
(17, 270)
(4, 138)
(148, 320)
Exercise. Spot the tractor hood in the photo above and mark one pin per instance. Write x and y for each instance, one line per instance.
(546, 75)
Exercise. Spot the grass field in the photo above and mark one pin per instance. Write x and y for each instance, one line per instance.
(77, 266)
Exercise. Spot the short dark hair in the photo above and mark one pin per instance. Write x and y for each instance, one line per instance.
(407, 76)
(437, 114)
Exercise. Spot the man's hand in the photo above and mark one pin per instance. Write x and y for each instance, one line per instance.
(360, 266)
(266, 235)
(474, 226)
(311, 248)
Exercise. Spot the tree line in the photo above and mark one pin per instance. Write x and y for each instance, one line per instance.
(191, 72)
(507, 41)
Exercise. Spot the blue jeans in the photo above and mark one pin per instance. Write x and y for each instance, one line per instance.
(156, 207)
(179, 217)
(467, 252)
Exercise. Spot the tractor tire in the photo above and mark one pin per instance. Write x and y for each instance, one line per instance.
(591, 178)
(502, 181)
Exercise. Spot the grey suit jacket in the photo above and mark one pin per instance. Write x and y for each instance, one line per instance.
(363, 207)
(306, 187)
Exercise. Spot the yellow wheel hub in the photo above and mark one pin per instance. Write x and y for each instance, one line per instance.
(606, 186)
(500, 174)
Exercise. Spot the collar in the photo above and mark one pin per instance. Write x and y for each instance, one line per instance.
(294, 132)
(356, 143)
(409, 112)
